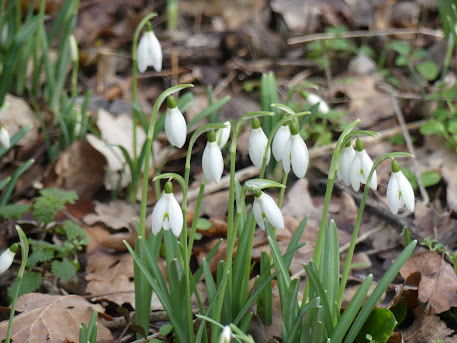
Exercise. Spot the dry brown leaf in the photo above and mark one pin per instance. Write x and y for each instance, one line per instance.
(117, 214)
(367, 103)
(438, 282)
(110, 277)
(80, 168)
(17, 115)
(425, 328)
(52, 318)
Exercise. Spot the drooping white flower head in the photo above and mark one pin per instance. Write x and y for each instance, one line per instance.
(212, 161)
(222, 135)
(360, 168)
(313, 99)
(265, 207)
(344, 164)
(257, 144)
(7, 257)
(175, 124)
(149, 52)
(399, 190)
(167, 213)
(280, 140)
(73, 48)
(296, 153)
(226, 335)
(4, 138)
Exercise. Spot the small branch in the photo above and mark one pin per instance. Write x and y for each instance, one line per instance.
(365, 33)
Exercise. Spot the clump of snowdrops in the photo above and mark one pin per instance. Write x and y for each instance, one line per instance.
(229, 295)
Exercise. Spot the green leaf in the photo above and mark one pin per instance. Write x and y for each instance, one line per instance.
(165, 329)
(39, 255)
(430, 178)
(428, 69)
(14, 212)
(399, 310)
(51, 201)
(203, 224)
(380, 324)
(74, 231)
(432, 128)
(30, 283)
(63, 269)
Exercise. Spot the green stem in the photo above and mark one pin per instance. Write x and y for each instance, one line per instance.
(196, 214)
(350, 253)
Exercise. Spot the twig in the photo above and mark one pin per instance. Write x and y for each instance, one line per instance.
(362, 237)
(365, 33)
(409, 144)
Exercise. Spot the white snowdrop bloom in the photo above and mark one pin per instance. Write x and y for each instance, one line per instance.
(360, 168)
(4, 138)
(313, 99)
(167, 213)
(212, 161)
(175, 124)
(226, 335)
(222, 135)
(257, 144)
(73, 48)
(279, 142)
(7, 257)
(265, 207)
(296, 153)
(344, 164)
(149, 52)
(399, 190)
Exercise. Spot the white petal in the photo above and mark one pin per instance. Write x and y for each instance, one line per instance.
(257, 144)
(286, 157)
(222, 135)
(149, 52)
(158, 214)
(393, 194)
(272, 211)
(344, 165)
(4, 138)
(367, 164)
(313, 99)
(256, 208)
(226, 335)
(6, 259)
(299, 156)
(212, 162)
(407, 191)
(175, 127)
(175, 216)
(355, 172)
(279, 142)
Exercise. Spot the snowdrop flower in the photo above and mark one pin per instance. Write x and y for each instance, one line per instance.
(399, 190)
(73, 48)
(265, 207)
(344, 164)
(296, 153)
(212, 162)
(175, 124)
(222, 135)
(360, 168)
(226, 335)
(280, 140)
(313, 99)
(167, 213)
(7, 257)
(4, 138)
(149, 52)
(257, 144)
